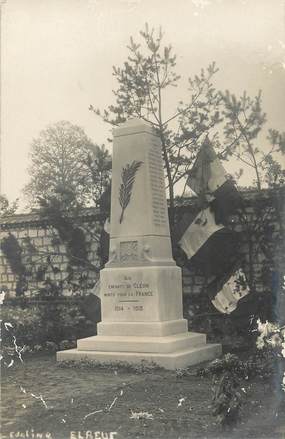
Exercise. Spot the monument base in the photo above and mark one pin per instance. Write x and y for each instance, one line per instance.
(170, 352)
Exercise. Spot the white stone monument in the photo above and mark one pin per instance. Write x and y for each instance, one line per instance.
(141, 286)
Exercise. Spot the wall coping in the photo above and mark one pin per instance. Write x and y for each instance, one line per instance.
(248, 195)
(34, 219)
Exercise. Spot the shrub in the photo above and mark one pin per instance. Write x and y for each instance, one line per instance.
(44, 324)
(26, 325)
(67, 344)
(229, 375)
(51, 346)
(227, 399)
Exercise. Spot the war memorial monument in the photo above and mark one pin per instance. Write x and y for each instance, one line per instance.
(141, 286)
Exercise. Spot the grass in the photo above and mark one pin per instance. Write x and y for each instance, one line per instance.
(39, 396)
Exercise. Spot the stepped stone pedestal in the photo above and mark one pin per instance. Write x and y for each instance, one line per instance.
(141, 286)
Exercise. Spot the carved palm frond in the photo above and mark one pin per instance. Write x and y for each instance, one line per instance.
(128, 178)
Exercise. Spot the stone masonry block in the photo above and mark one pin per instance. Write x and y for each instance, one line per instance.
(187, 280)
(33, 233)
(3, 266)
(47, 241)
(62, 248)
(57, 259)
(198, 280)
(187, 290)
(38, 242)
(63, 266)
(41, 232)
(56, 276)
(22, 234)
(196, 289)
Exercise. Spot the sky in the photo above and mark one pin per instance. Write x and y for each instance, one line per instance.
(57, 58)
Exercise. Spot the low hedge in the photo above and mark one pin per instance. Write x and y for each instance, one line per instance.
(35, 323)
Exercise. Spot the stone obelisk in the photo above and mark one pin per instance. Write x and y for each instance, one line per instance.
(141, 286)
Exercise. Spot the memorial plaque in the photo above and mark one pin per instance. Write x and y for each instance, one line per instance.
(130, 299)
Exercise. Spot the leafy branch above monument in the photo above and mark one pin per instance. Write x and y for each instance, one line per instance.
(144, 85)
(144, 90)
(244, 120)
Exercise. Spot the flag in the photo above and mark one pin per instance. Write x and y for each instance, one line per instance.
(226, 300)
(209, 247)
(202, 234)
(199, 227)
(208, 244)
(209, 180)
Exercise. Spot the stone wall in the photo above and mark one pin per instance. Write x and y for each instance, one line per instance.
(40, 246)
(38, 242)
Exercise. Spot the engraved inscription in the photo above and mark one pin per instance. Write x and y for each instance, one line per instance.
(157, 185)
(129, 294)
(129, 251)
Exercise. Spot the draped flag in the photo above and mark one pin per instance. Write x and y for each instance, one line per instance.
(225, 291)
(209, 180)
(202, 234)
(210, 247)
(232, 291)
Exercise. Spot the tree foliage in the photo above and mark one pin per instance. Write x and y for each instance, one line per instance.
(244, 120)
(99, 165)
(64, 159)
(68, 173)
(233, 125)
(7, 208)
